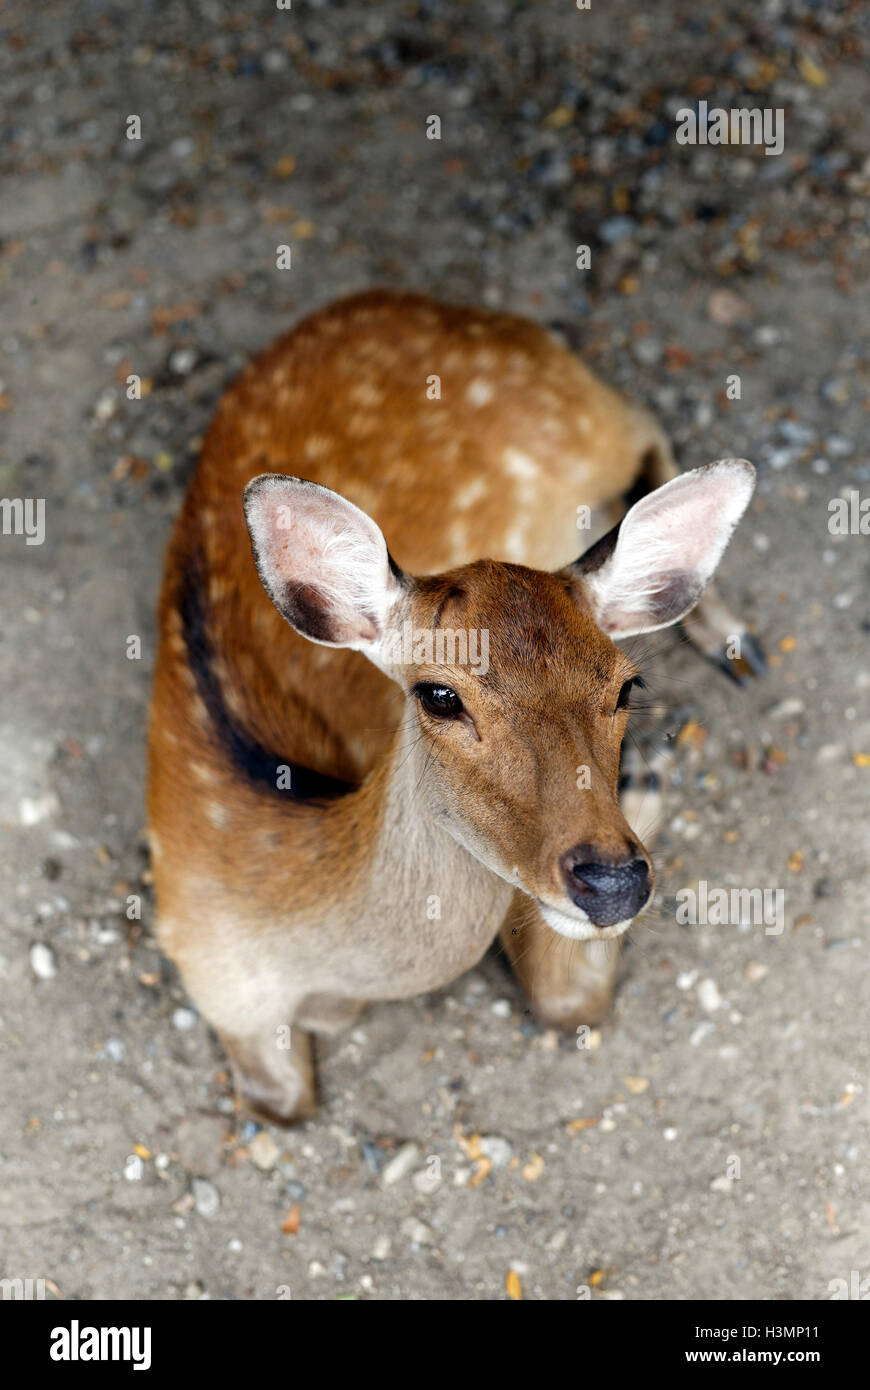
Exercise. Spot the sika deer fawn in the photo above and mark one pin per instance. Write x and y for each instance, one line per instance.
(339, 814)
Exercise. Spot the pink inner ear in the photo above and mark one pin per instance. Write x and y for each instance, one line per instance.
(668, 547)
(322, 561)
(295, 533)
(695, 514)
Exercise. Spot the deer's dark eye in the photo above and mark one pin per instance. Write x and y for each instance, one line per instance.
(439, 700)
(625, 693)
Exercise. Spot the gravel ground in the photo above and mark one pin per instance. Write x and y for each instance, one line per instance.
(713, 1141)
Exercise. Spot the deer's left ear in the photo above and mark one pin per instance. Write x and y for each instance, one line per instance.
(651, 569)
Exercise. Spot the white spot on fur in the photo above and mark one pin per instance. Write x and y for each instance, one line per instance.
(316, 445)
(217, 814)
(458, 539)
(518, 464)
(515, 544)
(365, 393)
(470, 494)
(480, 392)
(361, 425)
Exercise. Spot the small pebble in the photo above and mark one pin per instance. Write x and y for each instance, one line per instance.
(182, 361)
(496, 1149)
(781, 458)
(134, 1168)
(616, 229)
(722, 1184)
(793, 432)
(42, 961)
(786, 709)
(829, 752)
(726, 308)
(264, 1151)
(839, 446)
(834, 391)
(400, 1165)
(183, 1020)
(708, 996)
(426, 1182)
(33, 809)
(701, 1031)
(206, 1197)
(417, 1231)
(647, 351)
(106, 406)
(766, 335)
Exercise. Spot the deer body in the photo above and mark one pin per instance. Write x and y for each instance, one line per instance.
(385, 857)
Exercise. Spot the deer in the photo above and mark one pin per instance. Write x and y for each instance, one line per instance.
(338, 818)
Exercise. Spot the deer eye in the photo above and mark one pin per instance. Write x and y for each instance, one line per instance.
(625, 693)
(439, 700)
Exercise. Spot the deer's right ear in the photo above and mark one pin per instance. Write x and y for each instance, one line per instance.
(322, 561)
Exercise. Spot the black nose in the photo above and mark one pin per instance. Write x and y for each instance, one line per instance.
(607, 893)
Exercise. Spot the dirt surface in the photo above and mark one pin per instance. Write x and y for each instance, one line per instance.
(726, 1152)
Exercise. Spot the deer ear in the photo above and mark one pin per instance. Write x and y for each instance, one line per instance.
(651, 569)
(322, 561)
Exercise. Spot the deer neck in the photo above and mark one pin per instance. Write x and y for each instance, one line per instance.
(424, 898)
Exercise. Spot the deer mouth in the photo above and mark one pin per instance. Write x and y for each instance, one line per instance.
(578, 927)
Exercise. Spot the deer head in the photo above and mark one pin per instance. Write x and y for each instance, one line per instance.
(513, 676)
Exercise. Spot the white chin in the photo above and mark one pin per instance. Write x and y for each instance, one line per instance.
(580, 928)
